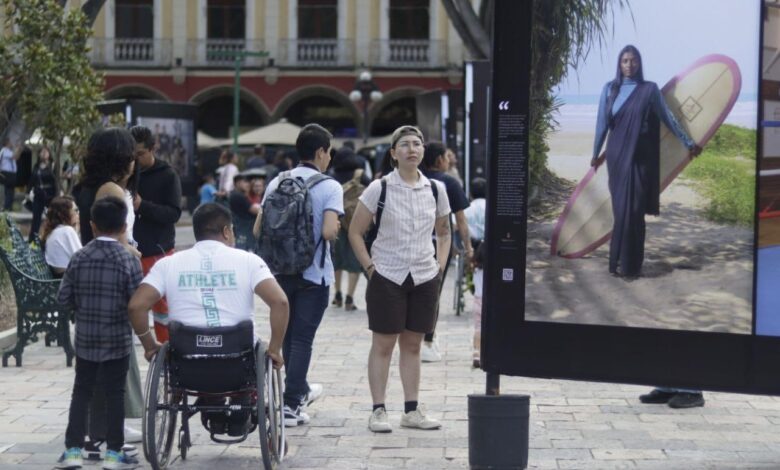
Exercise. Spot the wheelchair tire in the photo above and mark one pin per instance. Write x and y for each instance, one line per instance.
(158, 425)
(275, 406)
(270, 423)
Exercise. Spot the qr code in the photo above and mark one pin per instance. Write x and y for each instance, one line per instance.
(508, 274)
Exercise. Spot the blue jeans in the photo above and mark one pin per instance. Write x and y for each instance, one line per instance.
(308, 302)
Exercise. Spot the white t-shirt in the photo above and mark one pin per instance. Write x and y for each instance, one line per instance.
(211, 284)
(61, 243)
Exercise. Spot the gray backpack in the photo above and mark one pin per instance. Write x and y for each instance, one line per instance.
(286, 242)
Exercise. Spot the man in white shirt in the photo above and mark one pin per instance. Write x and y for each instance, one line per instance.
(211, 284)
(8, 170)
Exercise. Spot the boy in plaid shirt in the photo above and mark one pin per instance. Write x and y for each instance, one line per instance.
(98, 284)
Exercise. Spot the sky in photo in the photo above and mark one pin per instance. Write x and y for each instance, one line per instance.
(672, 34)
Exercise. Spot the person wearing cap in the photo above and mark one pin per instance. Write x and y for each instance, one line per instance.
(257, 160)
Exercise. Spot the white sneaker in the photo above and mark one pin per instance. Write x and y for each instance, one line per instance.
(419, 420)
(378, 422)
(132, 435)
(315, 392)
(429, 352)
(295, 417)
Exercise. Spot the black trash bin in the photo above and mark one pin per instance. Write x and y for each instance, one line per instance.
(498, 431)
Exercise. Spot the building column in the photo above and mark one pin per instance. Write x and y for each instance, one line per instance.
(110, 25)
(434, 35)
(292, 32)
(272, 28)
(203, 17)
(363, 35)
(179, 33)
(344, 56)
(384, 32)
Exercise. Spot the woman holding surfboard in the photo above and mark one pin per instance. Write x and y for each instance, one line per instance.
(629, 112)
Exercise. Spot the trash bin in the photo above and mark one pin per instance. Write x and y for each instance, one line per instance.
(498, 431)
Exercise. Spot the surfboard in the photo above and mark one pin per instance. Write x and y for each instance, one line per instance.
(701, 97)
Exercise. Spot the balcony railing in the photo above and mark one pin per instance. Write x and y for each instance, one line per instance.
(130, 52)
(316, 52)
(212, 52)
(408, 53)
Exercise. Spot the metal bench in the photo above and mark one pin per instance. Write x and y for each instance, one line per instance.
(35, 289)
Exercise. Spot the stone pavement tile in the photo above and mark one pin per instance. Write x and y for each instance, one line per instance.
(586, 443)
(678, 444)
(628, 454)
(711, 455)
(10, 460)
(27, 437)
(376, 441)
(43, 458)
(427, 452)
(314, 449)
(595, 464)
(435, 464)
(762, 456)
(541, 464)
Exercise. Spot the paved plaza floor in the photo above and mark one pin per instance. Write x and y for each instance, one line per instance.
(573, 425)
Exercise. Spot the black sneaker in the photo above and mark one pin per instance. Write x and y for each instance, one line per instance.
(686, 400)
(657, 397)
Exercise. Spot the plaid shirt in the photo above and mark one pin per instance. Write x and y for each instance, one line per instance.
(98, 284)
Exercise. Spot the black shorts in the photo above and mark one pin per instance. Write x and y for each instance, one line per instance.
(392, 308)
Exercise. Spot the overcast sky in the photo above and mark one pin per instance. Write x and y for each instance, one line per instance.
(670, 35)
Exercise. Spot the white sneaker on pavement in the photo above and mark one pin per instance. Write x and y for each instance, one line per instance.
(315, 392)
(132, 435)
(378, 421)
(418, 419)
(429, 352)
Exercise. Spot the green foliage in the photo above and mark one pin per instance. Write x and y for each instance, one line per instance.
(564, 31)
(725, 174)
(50, 83)
(732, 140)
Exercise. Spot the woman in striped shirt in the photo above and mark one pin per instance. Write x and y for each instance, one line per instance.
(404, 272)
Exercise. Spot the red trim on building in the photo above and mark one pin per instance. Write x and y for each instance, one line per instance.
(270, 95)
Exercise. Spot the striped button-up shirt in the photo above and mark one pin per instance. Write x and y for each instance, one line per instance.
(403, 245)
(98, 284)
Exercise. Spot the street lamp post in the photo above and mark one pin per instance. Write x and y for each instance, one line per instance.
(365, 91)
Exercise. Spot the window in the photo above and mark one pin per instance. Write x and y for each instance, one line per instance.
(134, 19)
(318, 19)
(226, 19)
(409, 19)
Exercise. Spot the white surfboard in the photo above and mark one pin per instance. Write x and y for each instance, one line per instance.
(700, 97)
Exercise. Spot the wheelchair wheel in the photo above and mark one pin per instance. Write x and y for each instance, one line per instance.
(159, 420)
(269, 410)
(275, 406)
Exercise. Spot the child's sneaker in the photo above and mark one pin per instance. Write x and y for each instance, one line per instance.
(118, 461)
(70, 459)
(92, 450)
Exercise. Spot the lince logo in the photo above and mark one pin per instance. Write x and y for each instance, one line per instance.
(207, 341)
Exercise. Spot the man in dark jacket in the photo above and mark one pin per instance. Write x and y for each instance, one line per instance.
(157, 209)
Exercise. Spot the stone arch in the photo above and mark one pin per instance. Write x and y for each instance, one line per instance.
(320, 98)
(392, 98)
(135, 91)
(215, 110)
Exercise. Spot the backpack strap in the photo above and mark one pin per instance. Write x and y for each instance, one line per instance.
(314, 180)
(380, 205)
(435, 191)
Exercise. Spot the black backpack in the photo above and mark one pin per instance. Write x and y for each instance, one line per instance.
(371, 234)
(286, 241)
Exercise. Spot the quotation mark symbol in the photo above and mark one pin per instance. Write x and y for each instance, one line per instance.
(503, 105)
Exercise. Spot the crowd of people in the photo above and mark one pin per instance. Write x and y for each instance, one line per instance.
(282, 230)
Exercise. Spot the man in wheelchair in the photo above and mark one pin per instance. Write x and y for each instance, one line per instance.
(211, 352)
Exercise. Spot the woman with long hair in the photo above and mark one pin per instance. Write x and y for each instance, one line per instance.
(44, 187)
(58, 233)
(403, 273)
(629, 112)
(109, 169)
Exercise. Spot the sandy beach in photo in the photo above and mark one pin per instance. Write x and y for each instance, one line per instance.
(697, 275)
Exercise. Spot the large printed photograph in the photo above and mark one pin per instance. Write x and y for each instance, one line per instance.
(174, 141)
(655, 155)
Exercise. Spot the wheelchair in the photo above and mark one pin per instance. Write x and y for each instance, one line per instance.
(235, 387)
